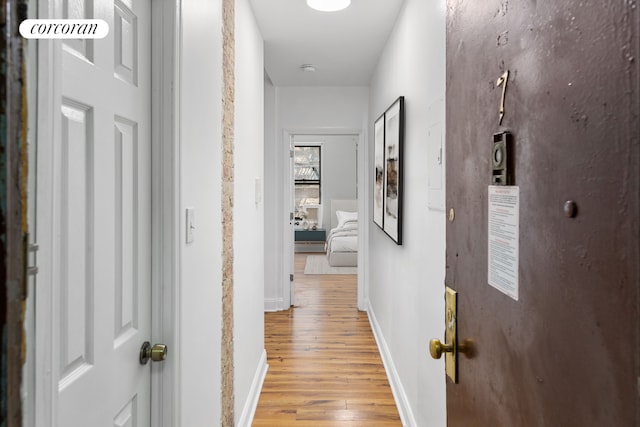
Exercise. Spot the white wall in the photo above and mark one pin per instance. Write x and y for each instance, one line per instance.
(316, 108)
(200, 183)
(302, 110)
(406, 283)
(249, 359)
(272, 193)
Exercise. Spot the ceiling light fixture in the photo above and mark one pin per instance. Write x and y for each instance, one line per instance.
(308, 68)
(328, 5)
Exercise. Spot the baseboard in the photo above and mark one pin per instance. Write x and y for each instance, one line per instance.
(402, 402)
(249, 410)
(273, 304)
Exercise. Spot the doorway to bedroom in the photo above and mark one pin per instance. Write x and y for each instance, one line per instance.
(324, 192)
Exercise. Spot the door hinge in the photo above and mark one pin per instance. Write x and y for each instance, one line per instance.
(32, 270)
(291, 154)
(28, 262)
(290, 216)
(291, 277)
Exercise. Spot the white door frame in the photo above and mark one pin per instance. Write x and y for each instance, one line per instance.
(288, 243)
(289, 231)
(165, 396)
(166, 27)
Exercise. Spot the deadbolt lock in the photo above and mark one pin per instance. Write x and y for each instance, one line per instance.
(157, 353)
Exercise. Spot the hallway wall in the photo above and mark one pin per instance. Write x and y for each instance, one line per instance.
(200, 291)
(272, 194)
(250, 357)
(406, 283)
(293, 109)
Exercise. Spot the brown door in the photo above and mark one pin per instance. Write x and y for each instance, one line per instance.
(567, 351)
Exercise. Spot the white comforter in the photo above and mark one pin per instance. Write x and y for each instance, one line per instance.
(343, 239)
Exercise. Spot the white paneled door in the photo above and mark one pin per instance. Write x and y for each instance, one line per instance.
(94, 218)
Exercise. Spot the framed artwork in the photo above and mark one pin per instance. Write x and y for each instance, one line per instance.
(393, 173)
(378, 173)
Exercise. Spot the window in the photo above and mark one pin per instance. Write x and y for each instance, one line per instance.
(307, 175)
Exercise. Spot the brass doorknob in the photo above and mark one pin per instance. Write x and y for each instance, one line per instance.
(436, 348)
(157, 353)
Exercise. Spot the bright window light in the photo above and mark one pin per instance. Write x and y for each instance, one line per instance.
(328, 5)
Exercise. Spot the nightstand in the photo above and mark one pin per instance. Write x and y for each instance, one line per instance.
(310, 240)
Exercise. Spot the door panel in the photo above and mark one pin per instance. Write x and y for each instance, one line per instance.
(567, 351)
(100, 211)
(75, 230)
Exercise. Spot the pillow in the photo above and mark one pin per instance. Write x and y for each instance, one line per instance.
(343, 217)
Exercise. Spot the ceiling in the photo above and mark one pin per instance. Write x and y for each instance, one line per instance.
(343, 46)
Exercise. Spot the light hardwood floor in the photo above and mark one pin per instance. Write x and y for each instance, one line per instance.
(324, 365)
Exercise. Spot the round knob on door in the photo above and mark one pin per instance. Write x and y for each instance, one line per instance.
(436, 348)
(157, 353)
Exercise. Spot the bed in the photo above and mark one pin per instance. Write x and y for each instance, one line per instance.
(342, 240)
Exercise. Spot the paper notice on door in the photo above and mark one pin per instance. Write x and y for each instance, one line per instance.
(504, 232)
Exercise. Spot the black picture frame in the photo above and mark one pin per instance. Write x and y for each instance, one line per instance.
(389, 151)
(378, 172)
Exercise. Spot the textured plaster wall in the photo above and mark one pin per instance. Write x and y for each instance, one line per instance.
(228, 121)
